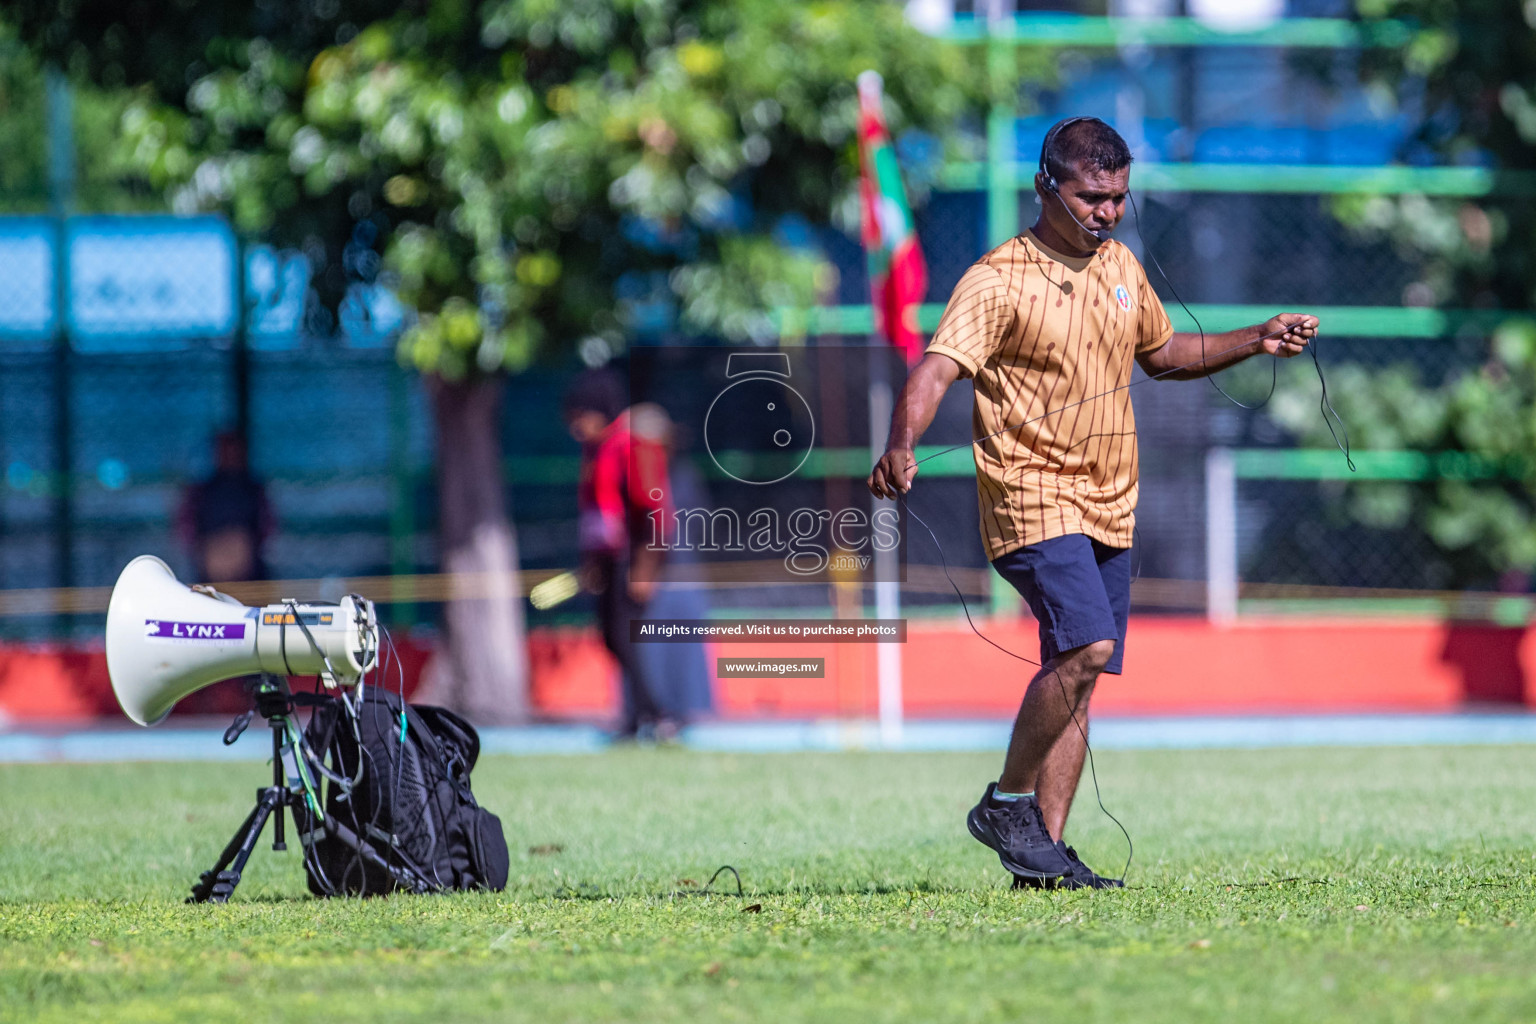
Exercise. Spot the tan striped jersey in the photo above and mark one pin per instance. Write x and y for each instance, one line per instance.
(1041, 334)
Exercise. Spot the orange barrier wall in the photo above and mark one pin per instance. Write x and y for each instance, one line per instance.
(1173, 665)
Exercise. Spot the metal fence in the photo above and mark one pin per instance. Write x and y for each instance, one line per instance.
(1238, 258)
(101, 432)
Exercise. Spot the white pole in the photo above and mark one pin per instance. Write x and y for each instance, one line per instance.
(1220, 537)
(887, 590)
(888, 663)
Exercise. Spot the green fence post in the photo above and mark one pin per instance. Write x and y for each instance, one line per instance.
(241, 356)
(402, 508)
(1002, 191)
(61, 187)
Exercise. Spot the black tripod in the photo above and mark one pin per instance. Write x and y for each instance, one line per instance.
(275, 703)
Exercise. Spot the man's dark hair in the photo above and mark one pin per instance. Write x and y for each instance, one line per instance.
(1087, 145)
(601, 390)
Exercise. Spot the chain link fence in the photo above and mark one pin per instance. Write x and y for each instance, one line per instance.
(1266, 253)
(1303, 538)
(123, 358)
(102, 431)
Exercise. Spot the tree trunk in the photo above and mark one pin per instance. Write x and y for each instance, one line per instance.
(482, 669)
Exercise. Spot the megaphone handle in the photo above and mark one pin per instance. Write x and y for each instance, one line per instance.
(237, 727)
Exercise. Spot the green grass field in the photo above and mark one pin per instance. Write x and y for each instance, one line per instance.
(1298, 885)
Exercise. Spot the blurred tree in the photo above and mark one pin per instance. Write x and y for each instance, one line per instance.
(23, 143)
(106, 180)
(518, 165)
(1470, 71)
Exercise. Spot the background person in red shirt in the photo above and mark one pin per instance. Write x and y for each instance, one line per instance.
(623, 482)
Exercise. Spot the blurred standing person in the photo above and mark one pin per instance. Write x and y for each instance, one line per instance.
(679, 671)
(623, 481)
(226, 518)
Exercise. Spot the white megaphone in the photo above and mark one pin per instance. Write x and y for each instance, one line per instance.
(166, 640)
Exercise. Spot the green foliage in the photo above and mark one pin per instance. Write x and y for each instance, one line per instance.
(1489, 411)
(1472, 66)
(517, 158)
(106, 181)
(1280, 885)
(23, 145)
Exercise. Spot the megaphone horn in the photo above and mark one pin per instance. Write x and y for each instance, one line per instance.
(166, 640)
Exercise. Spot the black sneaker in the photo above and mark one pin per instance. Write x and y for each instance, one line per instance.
(1016, 831)
(1081, 876)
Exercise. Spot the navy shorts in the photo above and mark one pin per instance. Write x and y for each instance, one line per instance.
(1079, 590)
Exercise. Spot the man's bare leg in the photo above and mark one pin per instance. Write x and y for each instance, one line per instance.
(1045, 755)
(1061, 770)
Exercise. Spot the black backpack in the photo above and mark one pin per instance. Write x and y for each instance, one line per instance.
(412, 802)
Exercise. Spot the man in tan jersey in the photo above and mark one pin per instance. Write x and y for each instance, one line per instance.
(1046, 326)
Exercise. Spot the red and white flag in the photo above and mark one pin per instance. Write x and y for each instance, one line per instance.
(898, 277)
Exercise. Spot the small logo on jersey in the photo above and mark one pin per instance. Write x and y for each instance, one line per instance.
(1123, 297)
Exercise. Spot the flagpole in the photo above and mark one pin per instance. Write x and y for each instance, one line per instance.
(897, 279)
(887, 587)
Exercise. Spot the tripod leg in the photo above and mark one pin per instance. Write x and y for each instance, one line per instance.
(277, 825)
(218, 884)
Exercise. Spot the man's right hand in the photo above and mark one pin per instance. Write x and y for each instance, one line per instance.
(893, 474)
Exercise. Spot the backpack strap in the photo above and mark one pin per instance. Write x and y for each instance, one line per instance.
(454, 730)
(321, 728)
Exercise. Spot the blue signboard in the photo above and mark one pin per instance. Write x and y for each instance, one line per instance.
(26, 282)
(149, 278)
(148, 283)
(135, 282)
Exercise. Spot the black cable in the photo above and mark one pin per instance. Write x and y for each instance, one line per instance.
(399, 763)
(435, 796)
(1105, 394)
(1326, 407)
(311, 853)
(394, 656)
(1130, 847)
(1136, 549)
(387, 656)
(708, 889)
(367, 833)
(1274, 367)
(370, 831)
(348, 785)
(394, 659)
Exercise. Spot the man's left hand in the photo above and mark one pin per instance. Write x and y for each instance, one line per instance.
(1288, 334)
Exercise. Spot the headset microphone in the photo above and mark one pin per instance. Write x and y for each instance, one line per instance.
(1050, 185)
